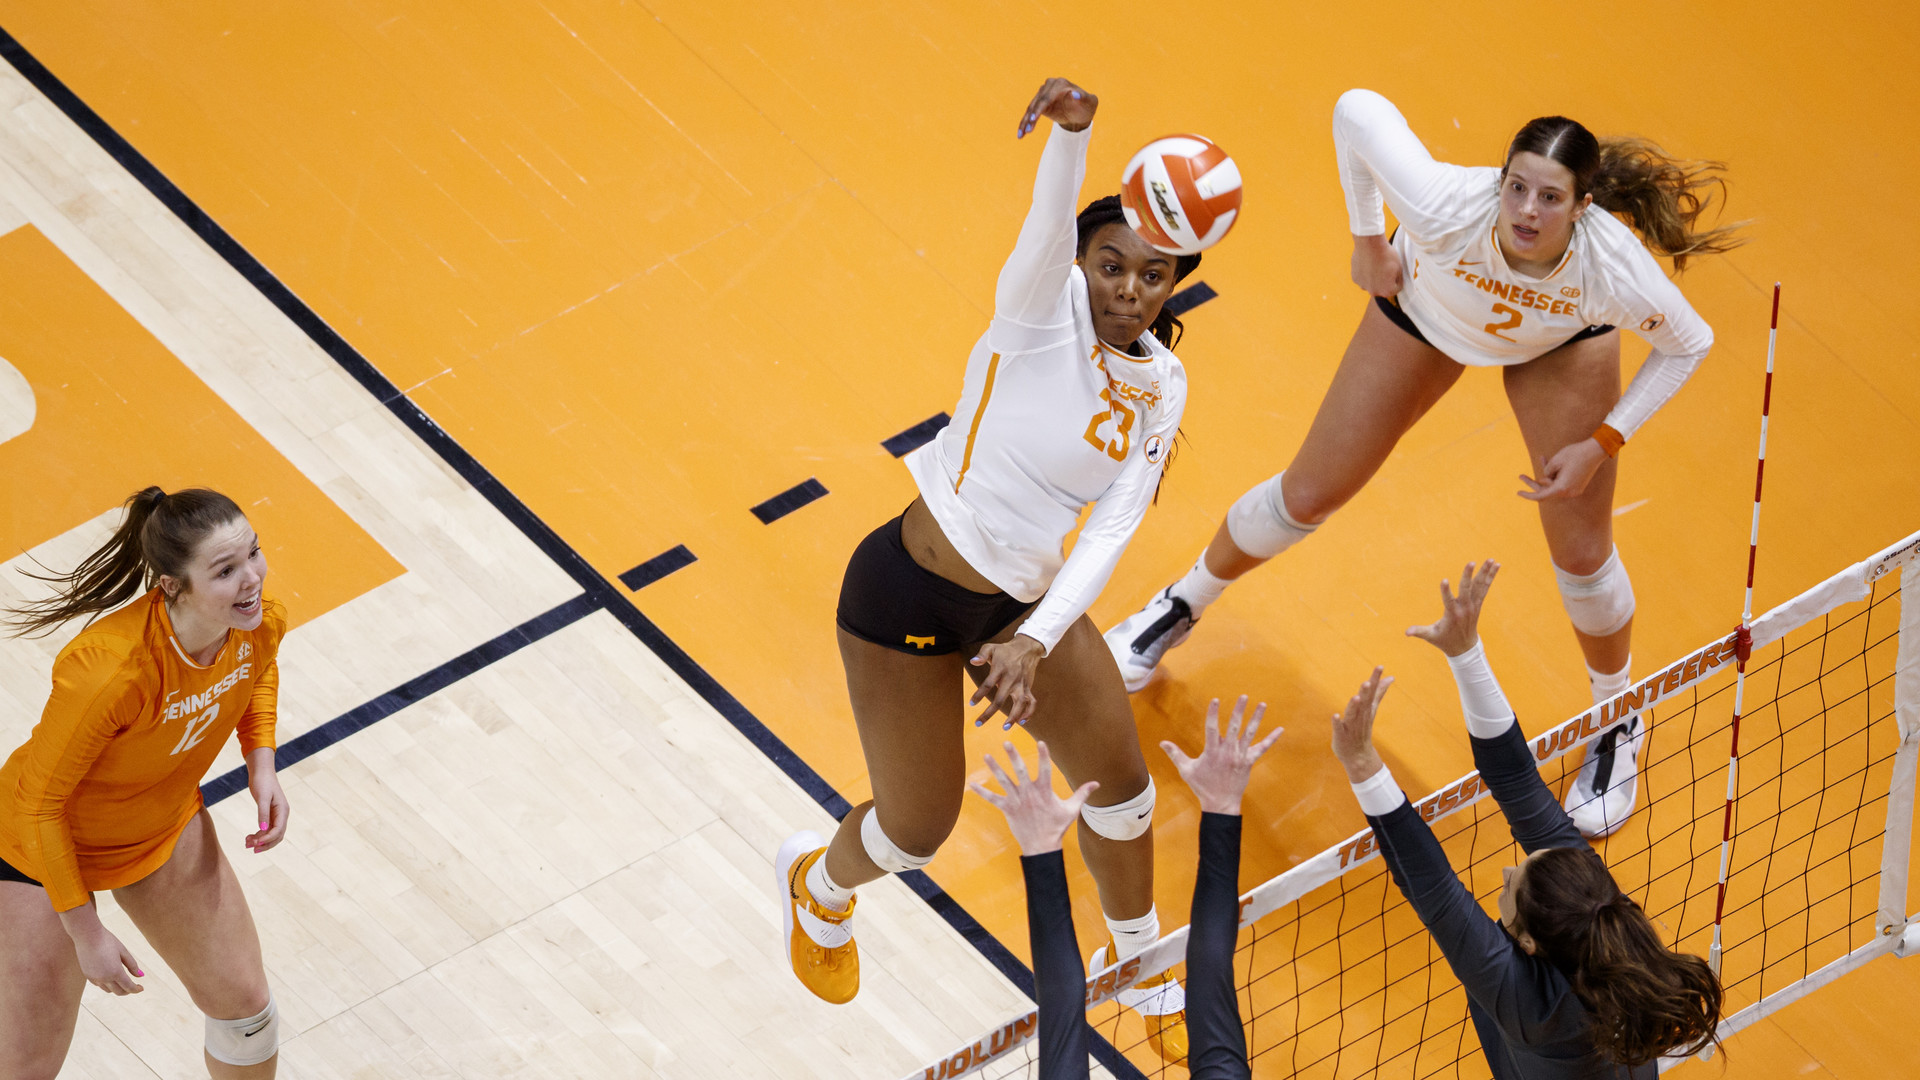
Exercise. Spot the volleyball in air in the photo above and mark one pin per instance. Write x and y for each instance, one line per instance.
(1181, 193)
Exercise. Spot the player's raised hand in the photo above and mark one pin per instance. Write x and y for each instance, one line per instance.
(1061, 102)
(1038, 818)
(1218, 776)
(1353, 728)
(1459, 624)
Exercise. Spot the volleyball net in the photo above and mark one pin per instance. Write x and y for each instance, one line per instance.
(1338, 978)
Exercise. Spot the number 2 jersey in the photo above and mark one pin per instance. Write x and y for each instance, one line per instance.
(1051, 419)
(111, 774)
(1458, 289)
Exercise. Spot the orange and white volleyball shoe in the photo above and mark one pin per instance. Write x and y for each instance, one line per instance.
(1161, 1001)
(819, 940)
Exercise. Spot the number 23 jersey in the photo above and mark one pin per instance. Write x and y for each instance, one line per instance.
(100, 791)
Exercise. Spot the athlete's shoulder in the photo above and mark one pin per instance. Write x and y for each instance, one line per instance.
(110, 659)
(1612, 246)
(273, 622)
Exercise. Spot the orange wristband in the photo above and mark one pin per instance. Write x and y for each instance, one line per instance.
(1610, 440)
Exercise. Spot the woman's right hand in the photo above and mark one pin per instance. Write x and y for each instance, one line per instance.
(1353, 729)
(1376, 266)
(103, 960)
(1459, 624)
(1061, 102)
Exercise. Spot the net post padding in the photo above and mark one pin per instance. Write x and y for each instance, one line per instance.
(1851, 585)
(1906, 712)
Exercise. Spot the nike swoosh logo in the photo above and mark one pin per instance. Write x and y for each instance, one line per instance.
(1142, 815)
(1464, 262)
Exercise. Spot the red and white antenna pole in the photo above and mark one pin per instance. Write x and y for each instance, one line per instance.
(1743, 645)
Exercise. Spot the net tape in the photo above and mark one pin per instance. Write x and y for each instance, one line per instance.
(1347, 935)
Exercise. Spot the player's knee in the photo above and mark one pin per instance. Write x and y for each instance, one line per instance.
(1263, 524)
(912, 850)
(247, 1041)
(1600, 601)
(1128, 819)
(1305, 503)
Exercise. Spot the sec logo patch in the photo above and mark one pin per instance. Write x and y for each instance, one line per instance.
(1653, 323)
(1156, 448)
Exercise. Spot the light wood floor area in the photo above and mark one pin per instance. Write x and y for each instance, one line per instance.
(651, 263)
(560, 866)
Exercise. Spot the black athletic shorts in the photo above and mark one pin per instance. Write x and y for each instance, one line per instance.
(8, 873)
(890, 600)
(1399, 318)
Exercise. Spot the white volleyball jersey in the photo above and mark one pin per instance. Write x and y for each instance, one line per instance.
(1050, 419)
(1458, 289)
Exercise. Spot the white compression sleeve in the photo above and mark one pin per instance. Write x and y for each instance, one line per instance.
(1034, 279)
(1481, 699)
(1659, 378)
(1379, 794)
(1381, 159)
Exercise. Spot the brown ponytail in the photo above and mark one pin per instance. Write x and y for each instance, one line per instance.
(1661, 197)
(1646, 1000)
(158, 536)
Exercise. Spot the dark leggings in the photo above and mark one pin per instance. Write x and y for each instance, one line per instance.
(1217, 1047)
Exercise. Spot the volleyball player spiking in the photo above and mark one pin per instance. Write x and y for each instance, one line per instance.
(1071, 397)
(105, 793)
(1528, 267)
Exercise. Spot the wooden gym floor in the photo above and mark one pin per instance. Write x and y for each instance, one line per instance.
(522, 298)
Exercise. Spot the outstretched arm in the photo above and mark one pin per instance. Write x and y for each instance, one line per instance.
(1031, 295)
(1500, 749)
(1488, 963)
(1218, 778)
(1039, 820)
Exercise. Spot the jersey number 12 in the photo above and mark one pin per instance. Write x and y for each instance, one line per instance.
(196, 729)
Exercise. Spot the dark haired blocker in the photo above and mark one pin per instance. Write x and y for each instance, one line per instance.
(1531, 1024)
(1217, 1048)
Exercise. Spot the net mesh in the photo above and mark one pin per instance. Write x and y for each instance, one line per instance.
(1346, 983)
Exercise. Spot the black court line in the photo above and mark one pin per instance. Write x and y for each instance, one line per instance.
(657, 567)
(599, 592)
(916, 436)
(789, 500)
(416, 689)
(1190, 297)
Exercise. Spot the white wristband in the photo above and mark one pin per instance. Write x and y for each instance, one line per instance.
(1378, 794)
(1481, 700)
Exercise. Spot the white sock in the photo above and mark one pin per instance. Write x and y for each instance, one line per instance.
(1200, 588)
(1132, 936)
(1605, 686)
(827, 894)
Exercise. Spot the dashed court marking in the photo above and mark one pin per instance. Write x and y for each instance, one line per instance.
(916, 436)
(657, 567)
(789, 500)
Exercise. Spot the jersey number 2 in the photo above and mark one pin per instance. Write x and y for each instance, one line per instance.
(1122, 417)
(1513, 320)
(196, 729)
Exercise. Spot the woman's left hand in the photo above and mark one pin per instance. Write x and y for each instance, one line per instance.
(1567, 473)
(1009, 681)
(1353, 729)
(1038, 818)
(264, 782)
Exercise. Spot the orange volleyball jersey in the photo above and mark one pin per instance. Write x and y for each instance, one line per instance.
(100, 791)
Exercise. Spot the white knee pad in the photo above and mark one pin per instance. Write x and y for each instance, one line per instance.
(885, 853)
(245, 1042)
(1122, 821)
(1259, 523)
(1599, 603)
